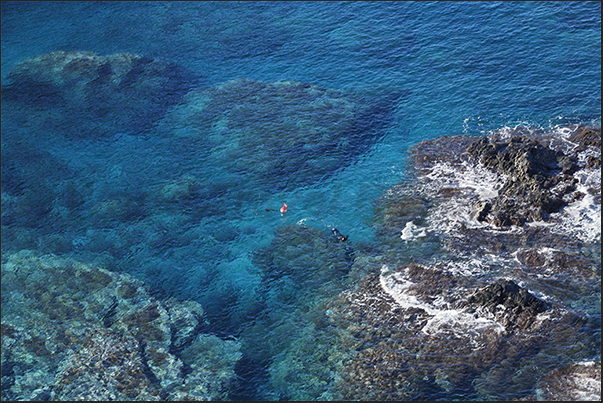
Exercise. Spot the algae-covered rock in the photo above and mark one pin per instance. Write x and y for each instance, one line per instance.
(578, 382)
(83, 94)
(415, 333)
(282, 134)
(290, 334)
(72, 331)
(306, 254)
(300, 265)
(108, 366)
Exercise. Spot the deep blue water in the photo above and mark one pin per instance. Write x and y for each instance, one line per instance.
(457, 67)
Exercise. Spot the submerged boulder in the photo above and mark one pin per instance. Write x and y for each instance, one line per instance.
(77, 332)
(281, 134)
(83, 94)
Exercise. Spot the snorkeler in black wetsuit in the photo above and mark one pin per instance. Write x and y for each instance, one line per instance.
(338, 235)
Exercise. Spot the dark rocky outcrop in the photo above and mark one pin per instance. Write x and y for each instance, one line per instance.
(539, 175)
(531, 169)
(421, 333)
(511, 304)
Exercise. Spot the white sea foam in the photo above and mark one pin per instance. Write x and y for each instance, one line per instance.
(475, 265)
(582, 217)
(412, 231)
(467, 176)
(587, 388)
(580, 385)
(444, 319)
(474, 183)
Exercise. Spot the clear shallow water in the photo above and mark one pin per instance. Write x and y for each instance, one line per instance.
(460, 68)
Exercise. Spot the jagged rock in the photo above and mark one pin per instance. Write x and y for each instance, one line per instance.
(539, 175)
(531, 169)
(411, 335)
(511, 304)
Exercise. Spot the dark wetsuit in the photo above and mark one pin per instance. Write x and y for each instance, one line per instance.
(338, 235)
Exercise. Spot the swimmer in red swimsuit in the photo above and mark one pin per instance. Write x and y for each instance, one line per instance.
(283, 209)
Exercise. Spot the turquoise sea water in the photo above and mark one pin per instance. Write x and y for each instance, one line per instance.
(455, 68)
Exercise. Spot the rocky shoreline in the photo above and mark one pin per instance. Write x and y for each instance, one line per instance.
(443, 330)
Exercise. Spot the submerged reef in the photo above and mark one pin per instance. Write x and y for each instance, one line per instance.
(85, 95)
(280, 134)
(301, 267)
(71, 331)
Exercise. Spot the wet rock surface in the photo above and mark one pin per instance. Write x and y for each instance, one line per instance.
(419, 333)
(451, 209)
(537, 168)
(580, 381)
(539, 177)
(72, 331)
(530, 168)
(513, 305)
(493, 314)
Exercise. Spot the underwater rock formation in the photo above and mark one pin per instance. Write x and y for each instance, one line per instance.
(83, 94)
(282, 134)
(301, 267)
(578, 382)
(305, 254)
(412, 334)
(77, 332)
